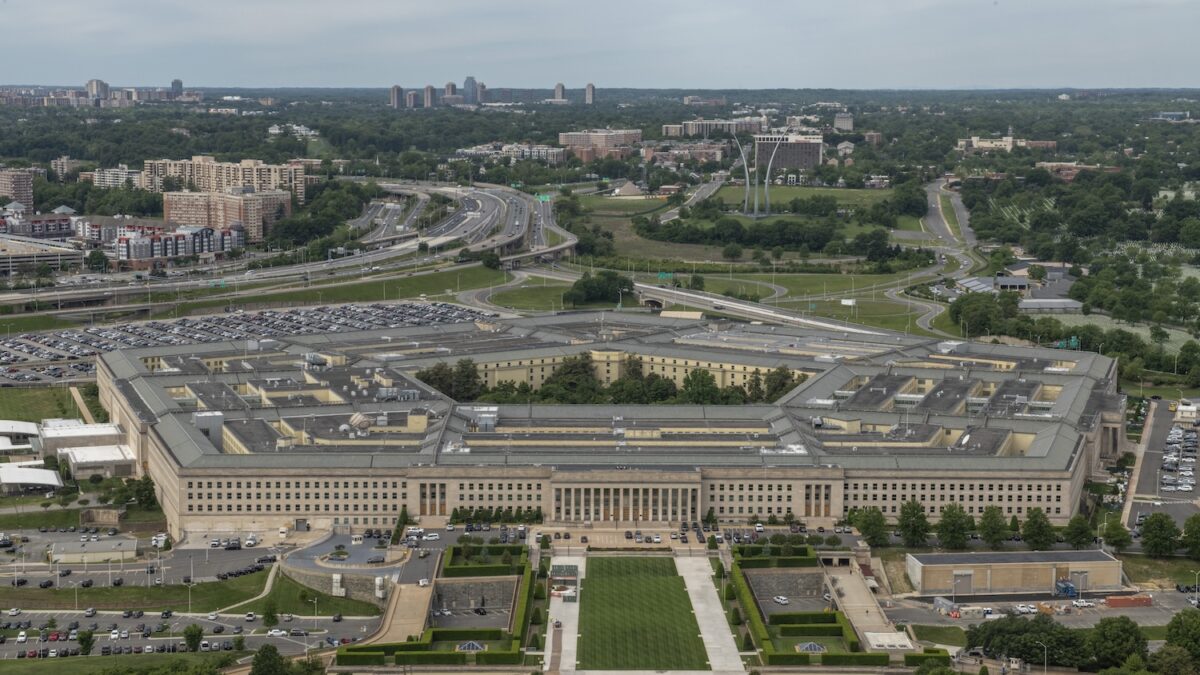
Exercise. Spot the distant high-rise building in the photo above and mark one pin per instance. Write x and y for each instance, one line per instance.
(428, 99)
(791, 151)
(97, 89)
(17, 185)
(589, 94)
(176, 87)
(481, 91)
(470, 90)
(560, 91)
(843, 121)
(397, 96)
(451, 89)
(410, 98)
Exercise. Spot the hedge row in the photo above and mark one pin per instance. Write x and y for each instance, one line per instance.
(456, 569)
(498, 570)
(758, 629)
(813, 629)
(451, 634)
(931, 654)
(511, 657)
(797, 659)
(860, 659)
(347, 657)
(762, 563)
(803, 618)
(452, 658)
(520, 612)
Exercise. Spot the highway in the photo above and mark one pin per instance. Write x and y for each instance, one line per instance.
(703, 192)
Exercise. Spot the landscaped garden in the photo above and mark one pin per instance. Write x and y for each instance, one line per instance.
(635, 613)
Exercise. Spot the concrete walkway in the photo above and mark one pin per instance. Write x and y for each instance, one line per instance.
(857, 602)
(407, 611)
(84, 411)
(564, 655)
(710, 615)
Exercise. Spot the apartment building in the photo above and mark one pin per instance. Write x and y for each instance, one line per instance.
(255, 211)
(706, 127)
(600, 138)
(65, 165)
(843, 121)
(151, 247)
(209, 175)
(16, 185)
(396, 96)
(789, 151)
(119, 177)
(589, 94)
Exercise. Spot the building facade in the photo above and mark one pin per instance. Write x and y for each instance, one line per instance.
(790, 151)
(255, 211)
(209, 175)
(16, 185)
(396, 96)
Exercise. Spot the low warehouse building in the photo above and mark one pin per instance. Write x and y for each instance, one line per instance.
(984, 573)
(108, 550)
(109, 461)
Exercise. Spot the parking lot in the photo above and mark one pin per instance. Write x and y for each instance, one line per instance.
(65, 354)
(135, 634)
(1153, 494)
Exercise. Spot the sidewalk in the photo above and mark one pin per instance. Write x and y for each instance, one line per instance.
(564, 656)
(710, 614)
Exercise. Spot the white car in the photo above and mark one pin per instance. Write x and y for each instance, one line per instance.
(781, 600)
(22, 637)
(1025, 609)
(212, 616)
(432, 536)
(250, 616)
(450, 527)
(14, 611)
(1083, 603)
(114, 635)
(124, 635)
(277, 632)
(658, 539)
(423, 582)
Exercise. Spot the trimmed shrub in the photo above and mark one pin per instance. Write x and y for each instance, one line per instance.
(860, 659)
(448, 658)
(803, 618)
(940, 657)
(735, 617)
(813, 629)
(794, 659)
(356, 658)
(499, 658)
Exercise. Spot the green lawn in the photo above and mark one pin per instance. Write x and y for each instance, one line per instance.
(134, 663)
(36, 404)
(616, 205)
(30, 322)
(206, 597)
(951, 217)
(942, 635)
(535, 297)
(36, 517)
(371, 291)
(1165, 572)
(781, 194)
(819, 284)
(881, 313)
(286, 594)
(636, 614)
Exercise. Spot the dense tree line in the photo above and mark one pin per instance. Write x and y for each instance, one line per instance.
(575, 382)
(330, 204)
(606, 286)
(87, 198)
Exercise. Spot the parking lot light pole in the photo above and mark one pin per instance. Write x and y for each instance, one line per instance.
(1196, 589)
(1045, 656)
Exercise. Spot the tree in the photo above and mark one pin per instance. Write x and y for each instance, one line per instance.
(696, 282)
(97, 261)
(747, 643)
(731, 252)
(954, 529)
(143, 492)
(700, 388)
(1077, 533)
(777, 252)
(1183, 630)
(914, 526)
(1114, 639)
(193, 635)
(87, 640)
(735, 617)
(1038, 532)
(1116, 536)
(1160, 536)
(535, 617)
(268, 661)
(778, 382)
(872, 526)
(1191, 536)
(992, 528)
(1173, 659)
(270, 613)
(833, 541)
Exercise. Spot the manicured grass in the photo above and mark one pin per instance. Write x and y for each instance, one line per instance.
(950, 216)
(11, 324)
(803, 285)
(781, 194)
(36, 517)
(286, 594)
(636, 614)
(1165, 572)
(616, 205)
(36, 403)
(133, 663)
(538, 298)
(206, 597)
(1168, 393)
(942, 635)
(371, 291)
(944, 323)
(878, 313)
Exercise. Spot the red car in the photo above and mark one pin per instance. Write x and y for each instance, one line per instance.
(31, 654)
(54, 637)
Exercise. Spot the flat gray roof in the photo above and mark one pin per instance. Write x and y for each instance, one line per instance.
(1013, 557)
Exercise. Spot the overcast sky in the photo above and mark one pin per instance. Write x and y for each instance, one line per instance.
(944, 44)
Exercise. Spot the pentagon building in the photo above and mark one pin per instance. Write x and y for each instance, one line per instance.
(333, 430)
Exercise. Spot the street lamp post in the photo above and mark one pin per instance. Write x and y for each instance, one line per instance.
(1045, 656)
(1196, 589)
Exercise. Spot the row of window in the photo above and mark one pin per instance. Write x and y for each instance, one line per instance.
(928, 499)
(971, 487)
(287, 484)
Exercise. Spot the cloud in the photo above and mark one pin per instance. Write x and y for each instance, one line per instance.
(666, 43)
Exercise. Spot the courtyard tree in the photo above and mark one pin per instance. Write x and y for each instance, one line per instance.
(1160, 536)
(914, 526)
(1077, 533)
(1116, 536)
(954, 529)
(992, 528)
(872, 526)
(1037, 531)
